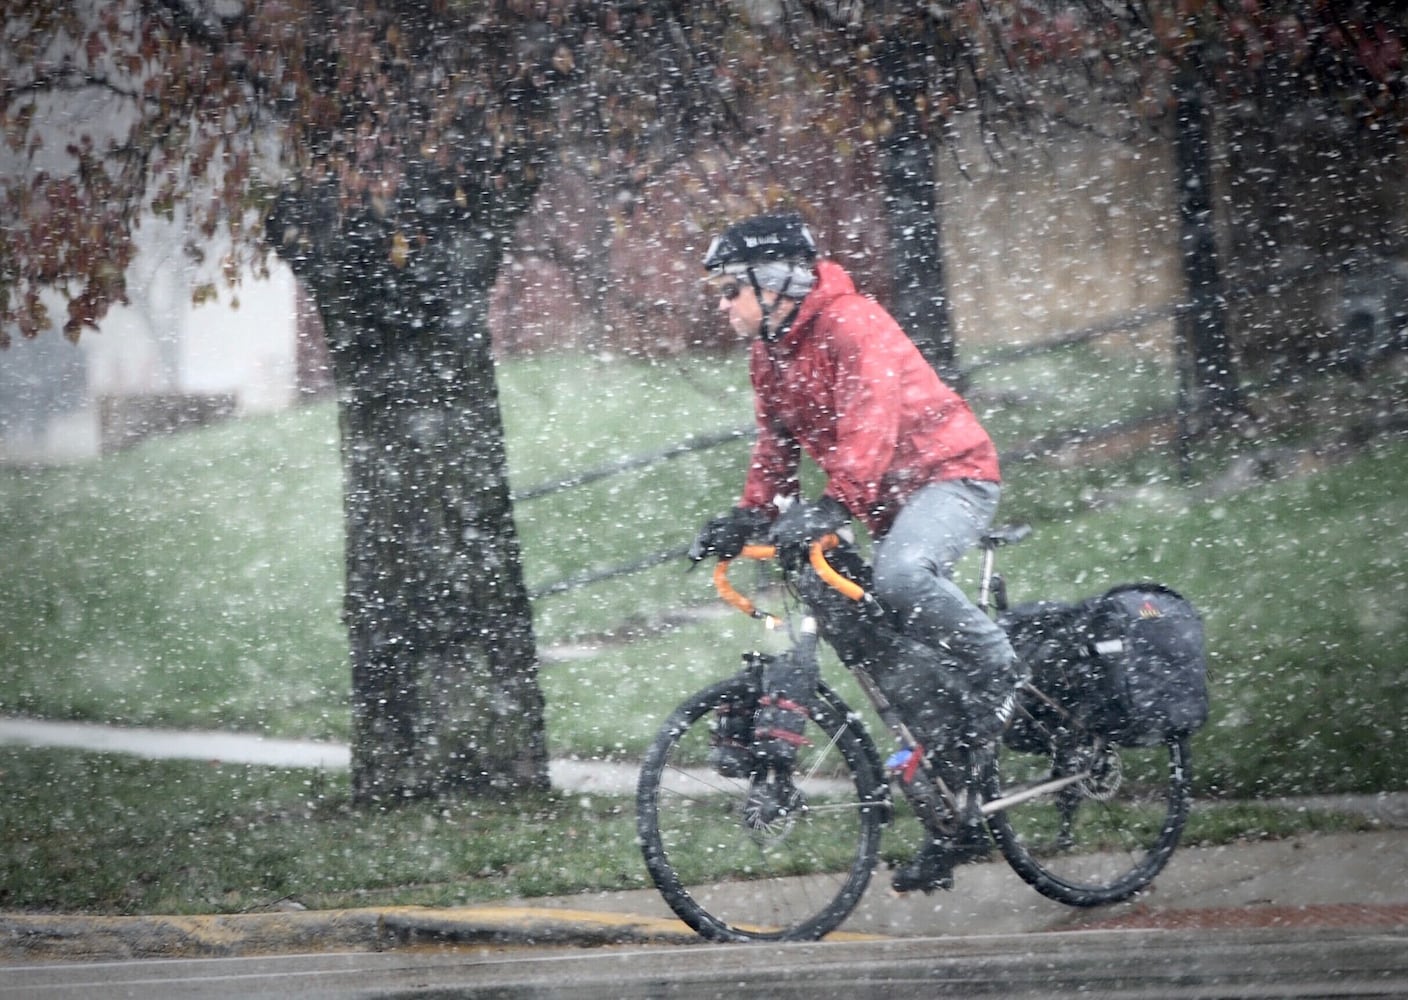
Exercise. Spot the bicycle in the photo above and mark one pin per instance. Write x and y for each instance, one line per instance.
(786, 850)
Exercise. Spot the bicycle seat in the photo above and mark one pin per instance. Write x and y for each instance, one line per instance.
(1008, 534)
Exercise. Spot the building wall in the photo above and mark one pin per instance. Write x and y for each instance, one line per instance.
(163, 354)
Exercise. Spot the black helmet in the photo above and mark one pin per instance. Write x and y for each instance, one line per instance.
(762, 238)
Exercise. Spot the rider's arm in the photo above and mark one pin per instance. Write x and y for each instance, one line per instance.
(776, 458)
(868, 399)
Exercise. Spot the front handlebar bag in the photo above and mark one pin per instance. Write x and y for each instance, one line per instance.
(935, 696)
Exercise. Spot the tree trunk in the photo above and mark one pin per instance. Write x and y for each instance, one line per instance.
(916, 251)
(445, 696)
(1212, 391)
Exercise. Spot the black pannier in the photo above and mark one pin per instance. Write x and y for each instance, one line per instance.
(1150, 642)
(763, 729)
(789, 683)
(1131, 663)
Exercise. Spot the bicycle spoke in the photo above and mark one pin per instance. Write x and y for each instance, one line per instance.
(767, 856)
(1091, 823)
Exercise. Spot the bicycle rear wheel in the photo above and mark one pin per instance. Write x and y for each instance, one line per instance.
(1107, 832)
(761, 858)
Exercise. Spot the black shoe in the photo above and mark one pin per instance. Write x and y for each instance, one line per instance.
(933, 867)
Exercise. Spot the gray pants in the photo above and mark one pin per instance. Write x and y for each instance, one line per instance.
(914, 575)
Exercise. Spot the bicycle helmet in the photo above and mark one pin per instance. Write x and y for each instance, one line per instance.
(774, 251)
(761, 238)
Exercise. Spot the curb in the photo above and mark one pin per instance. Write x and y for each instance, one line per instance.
(78, 938)
(25, 938)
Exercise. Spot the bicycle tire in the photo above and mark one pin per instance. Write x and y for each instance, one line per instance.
(729, 881)
(1102, 839)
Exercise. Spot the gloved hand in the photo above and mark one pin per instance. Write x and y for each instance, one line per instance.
(803, 523)
(724, 536)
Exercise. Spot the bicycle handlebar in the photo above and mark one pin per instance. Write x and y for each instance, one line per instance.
(726, 591)
(817, 555)
(833, 579)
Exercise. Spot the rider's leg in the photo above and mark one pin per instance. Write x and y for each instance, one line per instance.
(913, 574)
(932, 868)
(913, 567)
(966, 840)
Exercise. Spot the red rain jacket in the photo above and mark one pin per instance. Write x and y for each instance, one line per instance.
(847, 385)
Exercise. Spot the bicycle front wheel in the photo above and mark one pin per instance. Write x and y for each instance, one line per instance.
(761, 857)
(1101, 820)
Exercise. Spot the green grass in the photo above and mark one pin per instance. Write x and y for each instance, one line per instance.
(566, 415)
(195, 581)
(114, 834)
(1080, 387)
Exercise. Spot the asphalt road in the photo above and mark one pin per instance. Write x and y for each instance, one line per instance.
(1129, 963)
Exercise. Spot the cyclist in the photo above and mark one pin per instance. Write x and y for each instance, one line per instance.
(834, 375)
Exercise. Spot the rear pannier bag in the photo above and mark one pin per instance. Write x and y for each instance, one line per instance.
(1131, 664)
(1149, 642)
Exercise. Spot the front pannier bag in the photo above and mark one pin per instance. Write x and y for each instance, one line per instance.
(789, 683)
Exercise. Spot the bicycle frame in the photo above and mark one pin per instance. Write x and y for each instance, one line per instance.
(746, 843)
(934, 813)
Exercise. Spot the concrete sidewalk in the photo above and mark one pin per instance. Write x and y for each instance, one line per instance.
(245, 748)
(1388, 810)
(1356, 880)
